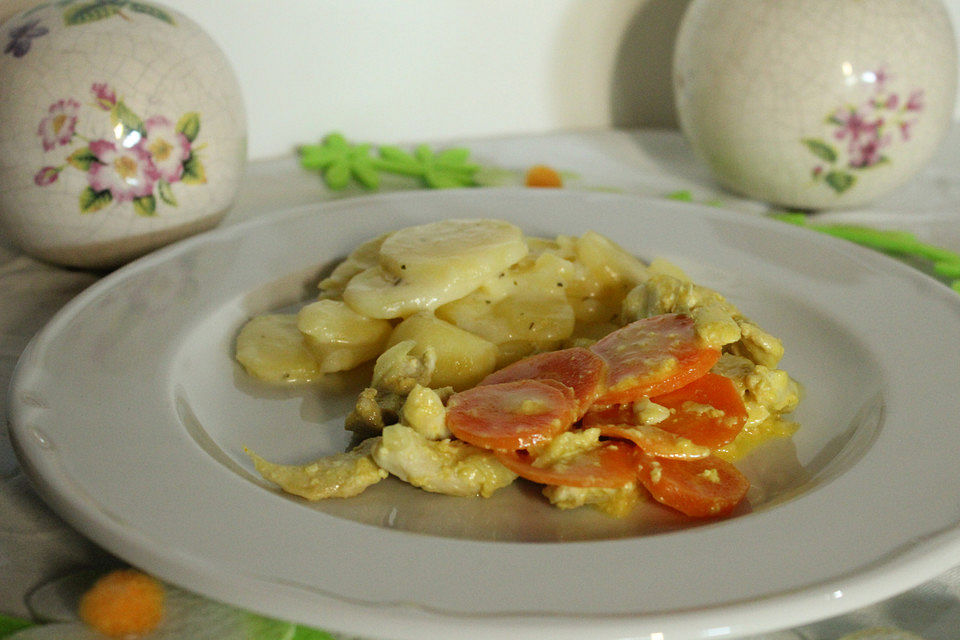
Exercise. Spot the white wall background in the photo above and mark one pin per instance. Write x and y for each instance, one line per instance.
(409, 70)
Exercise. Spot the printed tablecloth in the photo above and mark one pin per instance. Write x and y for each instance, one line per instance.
(37, 547)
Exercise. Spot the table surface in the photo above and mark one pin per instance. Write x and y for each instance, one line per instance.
(36, 546)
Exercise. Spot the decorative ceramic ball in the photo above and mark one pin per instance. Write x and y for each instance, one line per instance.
(815, 103)
(123, 130)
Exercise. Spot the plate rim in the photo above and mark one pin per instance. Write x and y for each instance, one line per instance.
(863, 581)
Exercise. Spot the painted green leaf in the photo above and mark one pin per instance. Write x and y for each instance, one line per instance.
(821, 149)
(151, 10)
(840, 181)
(193, 171)
(91, 200)
(122, 115)
(166, 193)
(189, 125)
(91, 11)
(82, 158)
(33, 10)
(145, 205)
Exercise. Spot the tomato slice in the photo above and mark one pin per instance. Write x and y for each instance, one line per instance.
(511, 415)
(611, 465)
(652, 356)
(580, 369)
(702, 488)
(708, 412)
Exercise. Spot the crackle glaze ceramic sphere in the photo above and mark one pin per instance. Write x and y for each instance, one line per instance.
(815, 103)
(123, 129)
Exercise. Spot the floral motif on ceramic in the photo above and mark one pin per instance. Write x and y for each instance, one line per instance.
(20, 36)
(138, 166)
(135, 138)
(862, 136)
(815, 104)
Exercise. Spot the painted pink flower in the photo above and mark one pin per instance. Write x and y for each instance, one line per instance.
(46, 175)
(168, 148)
(915, 101)
(906, 129)
(868, 131)
(58, 126)
(868, 153)
(880, 77)
(104, 95)
(853, 126)
(127, 173)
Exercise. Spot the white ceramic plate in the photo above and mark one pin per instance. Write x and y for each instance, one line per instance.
(130, 415)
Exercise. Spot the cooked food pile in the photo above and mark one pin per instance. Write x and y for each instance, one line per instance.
(567, 362)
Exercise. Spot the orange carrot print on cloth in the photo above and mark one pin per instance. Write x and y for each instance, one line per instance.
(543, 176)
(123, 603)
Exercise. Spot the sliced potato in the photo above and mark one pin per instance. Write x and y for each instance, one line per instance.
(609, 260)
(462, 358)
(453, 248)
(366, 255)
(527, 304)
(423, 267)
(339, 337)
(272, 349)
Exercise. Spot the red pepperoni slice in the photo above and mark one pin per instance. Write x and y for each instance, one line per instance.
(652, 356)
(511, 415)
(611, 465)
(706, 487)
(580, 369)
